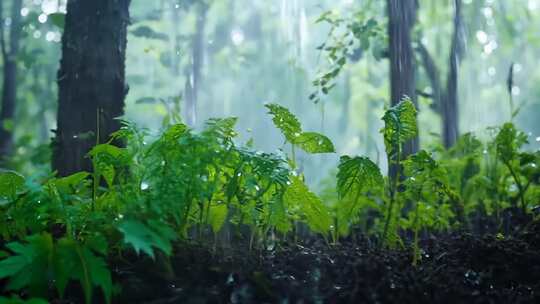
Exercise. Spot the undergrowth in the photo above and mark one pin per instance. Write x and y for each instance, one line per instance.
(187, 185)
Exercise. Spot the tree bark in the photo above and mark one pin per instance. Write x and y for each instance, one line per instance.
(445, 100)
(91, 80)
(401, 20)
(9, 91)
(450, 107)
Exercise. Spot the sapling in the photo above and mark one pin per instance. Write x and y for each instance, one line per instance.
(400, 126)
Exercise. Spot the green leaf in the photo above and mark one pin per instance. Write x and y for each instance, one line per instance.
(58, 19)
(107, 149)
(10, 183)
(217, 216)
(78, 262)
(312, 142)
(357, 175)
(508, 142)
(68, 183)
(174, 132)
(30, 264)
(315, 214)
(17, 300)
(144, 238)
(285, 121)
(400, 125)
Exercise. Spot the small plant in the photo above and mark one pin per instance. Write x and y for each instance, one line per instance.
(399, 127)
(184, 185)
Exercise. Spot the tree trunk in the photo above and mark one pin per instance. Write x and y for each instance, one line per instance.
(91, 80)
(9, 91)
(401, 19)
(450, 108)
(445, 101)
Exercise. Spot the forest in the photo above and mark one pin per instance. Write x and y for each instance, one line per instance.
(269, 151)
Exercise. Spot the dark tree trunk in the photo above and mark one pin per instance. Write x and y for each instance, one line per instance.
(9, 90)
(445, 100)
(91, 80)
(450, 108)
(401, 20)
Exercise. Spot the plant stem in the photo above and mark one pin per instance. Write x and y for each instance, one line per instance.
(520, 187)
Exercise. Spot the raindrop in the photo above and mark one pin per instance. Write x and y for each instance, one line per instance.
(24, 11)
(482, 37)
(50, 36)
(144, 186)
(42, 18)
(538, 139)
(488, 12)
(37, 34)
(516, 90)
(492, 71)
(237, 36)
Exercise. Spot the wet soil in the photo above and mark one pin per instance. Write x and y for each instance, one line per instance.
(455, 268)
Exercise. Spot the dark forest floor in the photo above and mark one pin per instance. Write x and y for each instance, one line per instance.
(456, 268)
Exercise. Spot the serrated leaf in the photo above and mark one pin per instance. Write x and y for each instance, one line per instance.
(313, 142)
(315, 214)
(400, 124)
(142, 238)
(285, 121)
(357, 175)
(29, 266)
(508, 142)
(10, 183)
(78, 262)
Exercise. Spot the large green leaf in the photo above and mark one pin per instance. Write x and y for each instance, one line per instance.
(399, 125)
(357, 175)
(10, 183)
(217, 216)
(29, 265)
(143, 237)
(312, 142)
(285, 121)
(299, 198)
(75, 261)
(69, 183)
